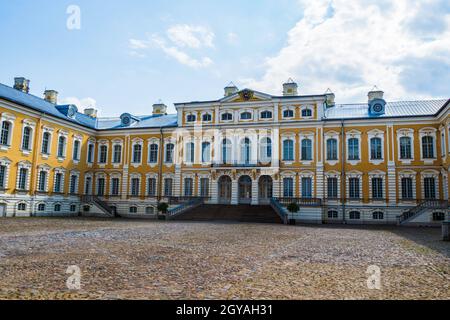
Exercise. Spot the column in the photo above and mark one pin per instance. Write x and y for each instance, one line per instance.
(214, 192)
(177, 184)
(319, 182)
(255, 192)
(234, 192)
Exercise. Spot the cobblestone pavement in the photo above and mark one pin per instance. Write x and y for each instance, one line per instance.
(122, 259)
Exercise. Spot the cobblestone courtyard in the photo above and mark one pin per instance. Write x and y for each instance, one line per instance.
(122, 259)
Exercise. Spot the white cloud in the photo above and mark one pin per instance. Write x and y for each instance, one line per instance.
(350, 45)
(232, 38)
(80, 103)
(184, 35)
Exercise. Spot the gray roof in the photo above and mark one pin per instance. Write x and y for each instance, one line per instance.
(393, 109)
(154, 121)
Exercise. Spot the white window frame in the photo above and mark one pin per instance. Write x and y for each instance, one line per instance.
(430, 174)
(26, 123)
(24, 165)
(111, 177)
(78, 138)
(293, 137)
(371, 135)
(135, 176)
(65, 135)
(354, 174)
(11, 119)
(306, 136)
(286, 108)
(349, 135)
(151, 176)
(61, 171)
(405, 133)
(432, 133)
(307, 174)
(261, 119)
(407, 174)
(333, 174)
(117, 142)
(150, 142)
(100, 144)
(7, 163)
(293, 176)
(304, 107)
(381, 175)
(43, 168)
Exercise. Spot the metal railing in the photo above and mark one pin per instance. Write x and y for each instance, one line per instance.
(99, 202)
(423, 206)
(279, 209)
(239, 164)
(185, 207)
(302, 202)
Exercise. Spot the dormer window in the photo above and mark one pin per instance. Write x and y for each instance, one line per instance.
(288, 114)
(191, 118)
(246, 116)
(207, 117)
(227, 117)
(306, 113)
(266, 115)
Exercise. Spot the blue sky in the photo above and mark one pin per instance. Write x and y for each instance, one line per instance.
(129, 54)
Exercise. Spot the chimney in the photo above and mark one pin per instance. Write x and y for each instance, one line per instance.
(375, 93)
(290, 88)
(330, 98)
(91, 112)
(159, 108)
(51, 96)
(231, 89)
(22, 84)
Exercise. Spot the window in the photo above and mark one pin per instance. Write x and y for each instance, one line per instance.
(353, 149)
(26, 140)
(41, 207)
(188, 185)
(151, 187)
(266, 115)
(2, 177)
(306, 113)
(306, 187)
(443, 144)
(333, 214)
(306, 149)
(204, 187)
(226, 151)
(429, 188)
(354, 188)
(355, 215)
(438, 216)
(5, 134)
(57, 207)
(117, 154)
(332, 188)
(103, 154)
(376, 149)
(407, 188)
(191, 118)
(73, 208)
(428, 147)
(46, 143)
(101, 187)
(288, 113)
(207, 117)
(133, 209)
(61, 147)
(168, 182)
(137, 153)
(90, 157)
(135, 187)
(88, 186)
(206, 152)
(246, 151)
(115, 183)
(377, 188)
(76, 150)
(42, 184)
(288, 187)
(246, 116)
(190, 152)
(23, 175)
(266, 149)
(153, 153)
(169, 152)
(22, 206)
(149, 210)
(288, 150)
(332, 153)
(228, 117)
(73, 184)
(405, 148)
(58, 183)
(378, 215)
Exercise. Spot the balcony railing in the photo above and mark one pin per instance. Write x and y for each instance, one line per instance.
(239, 164)
(302, 202)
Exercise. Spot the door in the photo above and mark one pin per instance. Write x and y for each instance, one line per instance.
(245, 190)
(225, 190)
(2, 210)
(265, 189)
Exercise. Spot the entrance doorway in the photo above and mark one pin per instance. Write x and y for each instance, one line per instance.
(265, 189)
(245, 190)
(2, 210)
(225, 190)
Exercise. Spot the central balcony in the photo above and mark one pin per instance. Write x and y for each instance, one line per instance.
(240, 164)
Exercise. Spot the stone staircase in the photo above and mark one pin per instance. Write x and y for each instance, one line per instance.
(423, 207)
(238, 213)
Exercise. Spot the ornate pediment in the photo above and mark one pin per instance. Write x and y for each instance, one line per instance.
(247, 95)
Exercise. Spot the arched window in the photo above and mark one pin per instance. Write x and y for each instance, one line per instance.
(428, 147)
(103, 156)
(61, 147)
(135, 187)
(266, 115)
(288, 113)
(207, 117)
(355, 215)
(168, 187)
(333, 214)
(151, 187)
(133, 209)
(206, 152)
(76, 150)
(438, 216)
(378, 215)
(226, 151)
(376, 149)
(407, 188)
(288, 187)
(307, 188)
(57, 207)
(191, 118)
(288, 150)
(41, 207)
(137, 153)
(306, 113)
(117, 155)
(190, 152)
(377, 188)
(170, 147)
(405, 148)
(332, 153)
(307, 149)
(266, 149)
(42, 182)
(353, 149)
(227, 116)
(246, 116)
(188, 187)
(26, 140)
(246, 151)
(22, 206)
(153, 153)
(5, 133)
(46, 143)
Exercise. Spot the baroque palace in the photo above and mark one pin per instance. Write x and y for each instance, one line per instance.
(373, 162)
